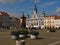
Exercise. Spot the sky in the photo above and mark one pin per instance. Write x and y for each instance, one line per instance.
(16, 7)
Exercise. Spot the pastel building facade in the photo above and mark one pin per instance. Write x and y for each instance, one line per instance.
(4, 19)
(52, 21)
(14, 22)
(49, 21)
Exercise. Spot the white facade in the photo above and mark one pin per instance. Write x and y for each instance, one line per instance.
(57, 23)
(35, 21)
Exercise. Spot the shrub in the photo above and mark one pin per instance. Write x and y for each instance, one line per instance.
(25, 32)
(52, 30)
(34, 33)
(14, 35)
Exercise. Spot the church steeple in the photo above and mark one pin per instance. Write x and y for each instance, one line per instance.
(35, 9)
(23, 16)
(23, 21)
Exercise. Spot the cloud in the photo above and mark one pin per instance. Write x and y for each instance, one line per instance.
(48, 3)
(14, 14)
(10, 1)
(37, 0)
(58, 10)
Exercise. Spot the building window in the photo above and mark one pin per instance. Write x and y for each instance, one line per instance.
(37, 23)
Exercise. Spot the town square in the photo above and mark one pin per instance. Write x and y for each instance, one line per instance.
(29, 22)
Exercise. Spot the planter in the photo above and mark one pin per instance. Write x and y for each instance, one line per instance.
(14, 35)
(34, 34)
(23, 33)
(48, 31)
(21, 36)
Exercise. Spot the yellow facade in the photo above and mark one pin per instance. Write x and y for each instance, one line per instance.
(49, 21)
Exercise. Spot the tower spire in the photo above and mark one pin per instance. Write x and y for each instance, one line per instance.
(35, 8)
(23, 13)
(23, 16)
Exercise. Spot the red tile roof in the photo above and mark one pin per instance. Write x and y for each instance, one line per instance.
(57, 17)
(51, 16)
(4, 14)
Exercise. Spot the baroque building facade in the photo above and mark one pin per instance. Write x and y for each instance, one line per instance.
(36, 20)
